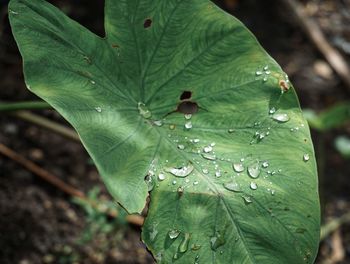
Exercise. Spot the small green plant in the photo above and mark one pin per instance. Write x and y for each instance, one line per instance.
(98, 221)
(332, 118)
(179, 102)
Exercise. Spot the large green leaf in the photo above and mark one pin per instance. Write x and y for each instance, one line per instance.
(235, 182)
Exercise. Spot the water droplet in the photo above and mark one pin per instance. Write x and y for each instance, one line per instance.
(150, 182)
(232, 186)
(266, 68)
(231, 130)
(188, 125)
(306, 157)
(195, 183)
(272, 192)
(158, 123)
(218, 174)
(159, 257)
(279, 117)
(258, 73)
(207, 149)
(238, 167)
(98, 109)
(181, 172)
(174, 233)
(205, 171)
(174, 182)
(272, 110)
(254, 170)
(253, 186)
(208, 156)
(87, 59)
(300, 230)
(92, 82)
(247, 199)
(267, 72)
(154, 232)
(265, 164)
(181, 146)
(13, 12)
(188, 116)
(196, 140)
(265, 79)
(172, 127)
(161, 176)
(217, 240)
(261, 136)
(143, 110)
(184, 243)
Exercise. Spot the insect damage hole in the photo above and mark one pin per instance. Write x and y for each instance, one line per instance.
(147, 23)
(185, 95)
(187, 107)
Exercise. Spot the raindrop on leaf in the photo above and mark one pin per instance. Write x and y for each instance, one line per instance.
(254, 170)
(265, 164)
(253, 186)
(188, 116)
(217, 240)
(306, 157)
(279, 117)
(188, 125)
(174, 233)
(238, 167)
(181, 172)
(143, 110)
(208, 156)
(247, 199)
(232, 186)
(161, 176)
(272, 110)
(184, 243)
(207, 149)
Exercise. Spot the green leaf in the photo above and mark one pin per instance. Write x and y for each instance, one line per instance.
(236, 181)
(331, 118)
(342, 144)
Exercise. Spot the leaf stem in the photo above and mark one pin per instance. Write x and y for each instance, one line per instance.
(31, 105)
(48, 124)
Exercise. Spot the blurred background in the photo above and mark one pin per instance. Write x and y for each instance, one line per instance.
(53, 206)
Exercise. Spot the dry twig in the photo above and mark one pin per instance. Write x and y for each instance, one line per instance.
(314, 32)
(52, 179)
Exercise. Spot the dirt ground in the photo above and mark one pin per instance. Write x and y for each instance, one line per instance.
(41, 224)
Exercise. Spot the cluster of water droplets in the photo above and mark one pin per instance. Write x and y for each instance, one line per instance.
(263, 73)
(207, 162)
(260, 134)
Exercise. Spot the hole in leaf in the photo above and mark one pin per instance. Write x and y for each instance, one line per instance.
(147, 23)
(185, 95)
(187, 107)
